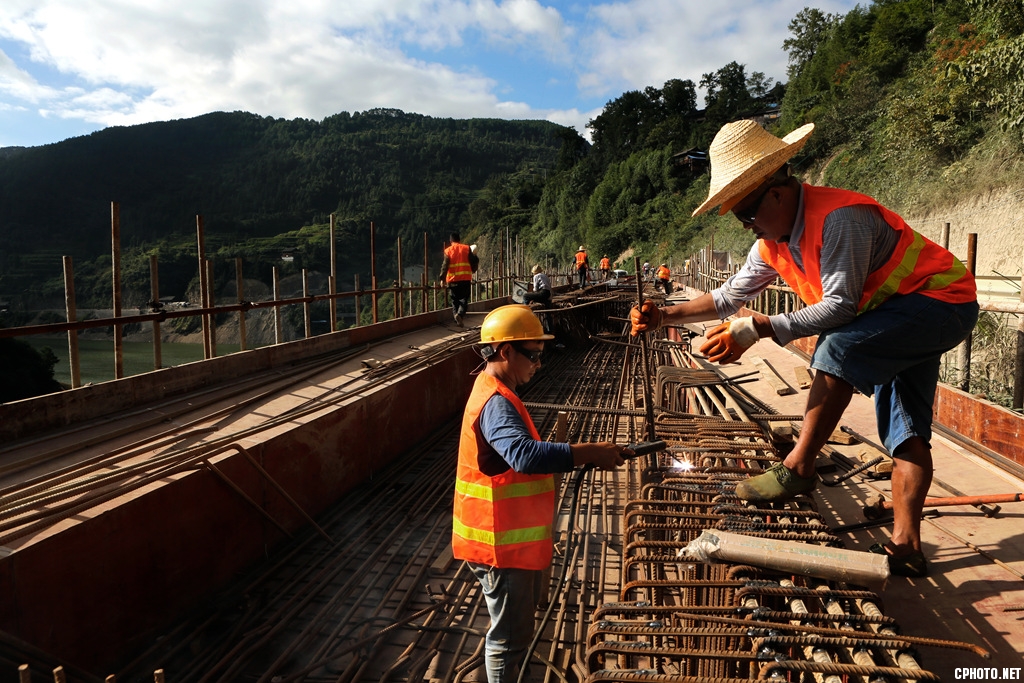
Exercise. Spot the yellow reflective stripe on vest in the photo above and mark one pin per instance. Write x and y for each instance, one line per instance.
(460, 268)
(529, 488)
(943, 280)
(903, 269)
(527, 535)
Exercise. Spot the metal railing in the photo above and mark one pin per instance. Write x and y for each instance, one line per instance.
(399, 298)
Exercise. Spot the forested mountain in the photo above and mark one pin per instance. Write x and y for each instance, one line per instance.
(916, 102)
(257, 182)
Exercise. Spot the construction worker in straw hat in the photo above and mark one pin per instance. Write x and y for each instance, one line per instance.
(885, 302)
(504, 488)
(541, 293)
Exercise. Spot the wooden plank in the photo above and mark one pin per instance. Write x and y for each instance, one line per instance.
(768, 373)
(442, 563)
(867, 454)
(839, 436)
(986, 423)
(803, 376)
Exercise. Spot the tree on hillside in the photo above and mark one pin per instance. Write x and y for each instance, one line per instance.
(988, 57)
(638, 121)
(810, 28)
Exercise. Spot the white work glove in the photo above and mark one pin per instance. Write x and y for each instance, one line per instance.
(727, 342)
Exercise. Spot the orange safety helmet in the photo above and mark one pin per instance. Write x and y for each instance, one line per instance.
(514, 322)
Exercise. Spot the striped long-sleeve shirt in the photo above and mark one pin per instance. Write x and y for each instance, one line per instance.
(856, 241)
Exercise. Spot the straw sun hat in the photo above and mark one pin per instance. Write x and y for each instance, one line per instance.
(536, 269)
(743, 155)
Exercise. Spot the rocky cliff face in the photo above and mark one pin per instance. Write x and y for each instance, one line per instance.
(998, 220)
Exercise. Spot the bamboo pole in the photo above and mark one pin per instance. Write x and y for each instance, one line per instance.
(332, 283)
(398, 289)
(209, 304)
(72, 315)
(1018, 365)
(356, 299)
(307, 318)
(964, 351)
(154, 292)
(278, 331)
(426, 264)
(201, 244)
(115, 270)
(239, 286)
(373, 270)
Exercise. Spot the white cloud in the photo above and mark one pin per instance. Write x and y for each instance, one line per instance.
(119, 62)
(647, 42)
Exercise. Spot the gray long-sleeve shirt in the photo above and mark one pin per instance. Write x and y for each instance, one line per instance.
(856, 241)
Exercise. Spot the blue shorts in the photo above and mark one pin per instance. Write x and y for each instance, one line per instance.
(893, 352)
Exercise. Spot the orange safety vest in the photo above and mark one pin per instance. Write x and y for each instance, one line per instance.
(505, 520)
(664, 273)
(917, 264)
(459, 269)
(581, 259)
(606, 264)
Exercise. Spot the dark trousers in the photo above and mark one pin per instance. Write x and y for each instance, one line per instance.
(582, 272)
(667, 285)
(542, 296)
(460, 296)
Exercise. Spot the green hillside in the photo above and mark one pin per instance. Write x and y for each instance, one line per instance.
(257, 182)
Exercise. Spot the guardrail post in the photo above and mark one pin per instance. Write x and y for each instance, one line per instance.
(964, 351)
(398, 287)
(239, 286)
(72, 315)
(373, 270)
(1018, 365)
(307, 319)
(332, 284)
(154, 293)
(278, 332)
(115, 270)
(355, 299)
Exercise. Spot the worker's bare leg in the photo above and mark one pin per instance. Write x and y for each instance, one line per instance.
(827, 400)
(911, 478)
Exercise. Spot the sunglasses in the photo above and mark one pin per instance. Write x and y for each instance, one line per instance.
(749, 215)
(532, 355)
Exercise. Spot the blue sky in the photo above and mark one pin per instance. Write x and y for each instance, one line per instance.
(71, 67)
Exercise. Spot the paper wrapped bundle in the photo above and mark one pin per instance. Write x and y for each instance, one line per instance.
(794, 557)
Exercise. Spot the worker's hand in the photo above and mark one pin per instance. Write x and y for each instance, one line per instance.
(727, 342)
(644, 319)
(604, 455)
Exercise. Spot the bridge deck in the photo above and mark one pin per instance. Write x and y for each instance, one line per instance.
(372, 593)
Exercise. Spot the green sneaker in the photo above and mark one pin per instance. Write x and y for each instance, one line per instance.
(777, 484)
(913, 564)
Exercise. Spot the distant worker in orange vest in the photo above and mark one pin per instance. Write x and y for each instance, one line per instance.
(582, 266)
(606, 267)
(457, 268)
(885, 302)
(504, 486)
(664, 277)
